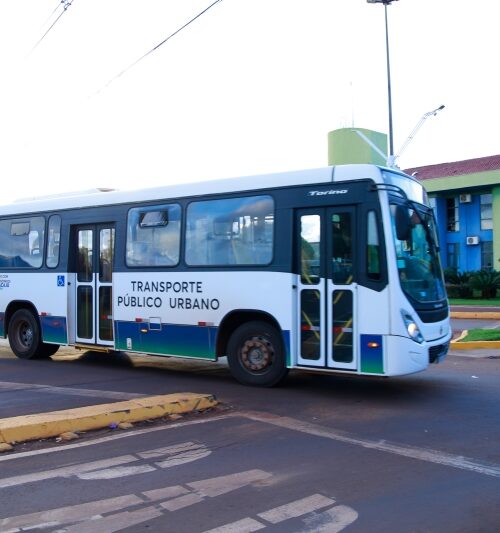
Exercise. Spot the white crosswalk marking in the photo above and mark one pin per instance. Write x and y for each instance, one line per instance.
(120, 471)
(296, 508)
(223, 484)
(247, 525)
(331, 521)
(114, 467)
(89, 517)
(71, 513)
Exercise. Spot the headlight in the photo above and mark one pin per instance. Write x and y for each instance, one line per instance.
(412, 327)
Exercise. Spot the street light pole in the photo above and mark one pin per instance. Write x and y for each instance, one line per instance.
(390, 157)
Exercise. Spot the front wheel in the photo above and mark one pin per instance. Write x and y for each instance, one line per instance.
(25, 338)
(256, 355)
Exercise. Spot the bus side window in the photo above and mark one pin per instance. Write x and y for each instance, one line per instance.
(21, 242)
(54, 239)
(342, 248)
(372, 247)
(153, 236)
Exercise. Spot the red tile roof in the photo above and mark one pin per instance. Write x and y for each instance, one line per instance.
(457, 168)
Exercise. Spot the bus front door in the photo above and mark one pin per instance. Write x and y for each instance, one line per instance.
(326, 288)
(94, 246)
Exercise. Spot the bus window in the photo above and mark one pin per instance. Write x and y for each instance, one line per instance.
(106, 246)
(85, 255)
(21, 243)
(54, 238)
(233, 231)
(310, 230)
(372, 247)
(342, 248)
(154, 236)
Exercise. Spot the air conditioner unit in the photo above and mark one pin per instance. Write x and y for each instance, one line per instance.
(465, 198)
(472, 240)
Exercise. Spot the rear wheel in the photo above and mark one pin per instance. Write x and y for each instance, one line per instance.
(256, 355)
(25, 338)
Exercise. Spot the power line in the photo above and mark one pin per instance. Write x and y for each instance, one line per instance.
(157, 46)
(66, 4)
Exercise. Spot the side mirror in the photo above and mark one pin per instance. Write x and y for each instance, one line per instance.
(403, 224)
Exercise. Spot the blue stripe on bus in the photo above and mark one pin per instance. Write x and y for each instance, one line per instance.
(54, 329)
(2, 324)
(169, 339)
(372, 354)
(174, 339)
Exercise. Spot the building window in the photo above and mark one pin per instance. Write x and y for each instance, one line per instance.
(486, 255)
(486, 211)
(452, 254)
(452, 219)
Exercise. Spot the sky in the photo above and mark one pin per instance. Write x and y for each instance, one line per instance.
(250, 87)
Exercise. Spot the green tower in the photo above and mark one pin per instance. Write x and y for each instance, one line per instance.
(345, 146)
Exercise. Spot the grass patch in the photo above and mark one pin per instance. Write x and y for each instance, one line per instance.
(482, 335)
(470, 301)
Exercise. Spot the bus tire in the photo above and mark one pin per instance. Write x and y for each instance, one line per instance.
(24, 335)
(256, 355)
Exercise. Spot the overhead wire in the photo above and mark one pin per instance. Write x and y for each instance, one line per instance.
(157, 46)
(66, 4)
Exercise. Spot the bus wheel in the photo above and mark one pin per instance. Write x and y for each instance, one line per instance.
(24, 335)
(256, 355)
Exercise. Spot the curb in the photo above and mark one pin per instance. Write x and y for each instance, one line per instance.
(494, 315)
(52, 424)
(471, 345)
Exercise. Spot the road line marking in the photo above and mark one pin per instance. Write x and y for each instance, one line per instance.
(165, 493)
(246, 525)
(70, 513)
(181, 502)
(69, 391)
(183, 458)
(66, 471)
(170, 450)
(421, 454)
(113, 467)
(331, 521)
(223, 484)
(114, 473)
(116, 522)
(296, 508)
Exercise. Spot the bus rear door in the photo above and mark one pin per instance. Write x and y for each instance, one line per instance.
(94, 246)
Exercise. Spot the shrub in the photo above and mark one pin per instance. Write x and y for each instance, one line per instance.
(458, 283)
(486, 281)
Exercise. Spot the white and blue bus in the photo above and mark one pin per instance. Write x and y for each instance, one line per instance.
(329, 270)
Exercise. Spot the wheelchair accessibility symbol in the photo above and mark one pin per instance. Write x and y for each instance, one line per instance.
(60, 281)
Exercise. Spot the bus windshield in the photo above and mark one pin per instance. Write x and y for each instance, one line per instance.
(418, 262)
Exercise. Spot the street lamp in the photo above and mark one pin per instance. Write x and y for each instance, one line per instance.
(389, 96)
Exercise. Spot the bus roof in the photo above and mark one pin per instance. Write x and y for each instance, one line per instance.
(99, 197)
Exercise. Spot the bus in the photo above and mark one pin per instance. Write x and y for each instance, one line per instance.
(334, 269)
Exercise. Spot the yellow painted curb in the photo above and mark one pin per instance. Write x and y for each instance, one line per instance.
(488, 315)
(44, 425)
(471, 345)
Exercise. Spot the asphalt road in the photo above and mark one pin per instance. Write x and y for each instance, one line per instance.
(322, 453)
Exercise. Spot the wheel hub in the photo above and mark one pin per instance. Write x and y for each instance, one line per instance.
(257, 353)
(26, 335)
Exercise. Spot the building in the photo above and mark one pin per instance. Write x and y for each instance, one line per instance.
(465, 196)
(466, 199)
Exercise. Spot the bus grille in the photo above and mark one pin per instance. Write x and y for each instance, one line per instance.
(438, 353)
